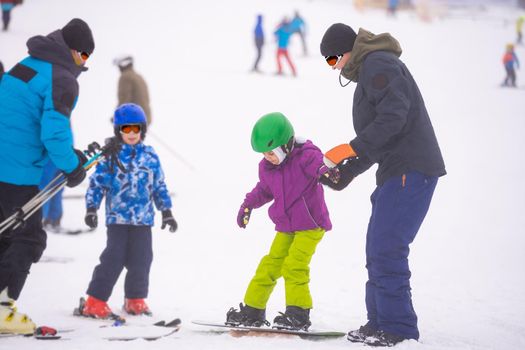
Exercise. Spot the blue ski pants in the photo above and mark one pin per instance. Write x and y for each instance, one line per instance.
(127, 246)
(398, 209)
(52, 209)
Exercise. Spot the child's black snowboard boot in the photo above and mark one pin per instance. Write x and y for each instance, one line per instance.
(246, 316)
(294, 318)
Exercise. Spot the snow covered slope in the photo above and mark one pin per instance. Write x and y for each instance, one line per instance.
(467, 261)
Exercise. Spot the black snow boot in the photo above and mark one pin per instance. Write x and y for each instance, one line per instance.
(359, 335)
(246, 316)
(381, 338)
(294, 318)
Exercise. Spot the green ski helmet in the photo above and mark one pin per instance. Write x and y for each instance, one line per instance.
(271, 131)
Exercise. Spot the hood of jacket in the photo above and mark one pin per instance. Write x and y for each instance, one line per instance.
(365, 43)
(53, 49)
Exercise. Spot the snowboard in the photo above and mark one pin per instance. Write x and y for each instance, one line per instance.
(254, 331)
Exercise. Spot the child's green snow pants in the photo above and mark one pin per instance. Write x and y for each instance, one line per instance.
(289, 256)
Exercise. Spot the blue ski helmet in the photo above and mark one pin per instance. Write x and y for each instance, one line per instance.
(129, 113)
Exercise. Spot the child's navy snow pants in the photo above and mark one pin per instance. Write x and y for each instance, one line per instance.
(398, 209)
(127, 246)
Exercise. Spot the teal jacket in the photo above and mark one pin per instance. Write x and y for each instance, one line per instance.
(37, 97)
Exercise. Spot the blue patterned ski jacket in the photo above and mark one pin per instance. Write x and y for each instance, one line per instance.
(130, 195)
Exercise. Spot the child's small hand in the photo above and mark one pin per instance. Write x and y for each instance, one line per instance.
(331, 174)
(243, 217)
(168, 220)
(344, 176)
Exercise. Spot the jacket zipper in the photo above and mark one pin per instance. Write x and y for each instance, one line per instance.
(308, 210)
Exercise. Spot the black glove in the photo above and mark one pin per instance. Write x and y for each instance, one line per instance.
(91, 218)
(167, 219)
(78, 174)
(345, 177)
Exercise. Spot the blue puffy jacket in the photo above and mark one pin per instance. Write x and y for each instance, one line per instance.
(130, 195)
(283, 34)
(37, 97)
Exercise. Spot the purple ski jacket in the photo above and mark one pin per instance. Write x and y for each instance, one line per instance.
(298, 197)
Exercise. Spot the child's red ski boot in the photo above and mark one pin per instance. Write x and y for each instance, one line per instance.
(96, 308)
(137, 307)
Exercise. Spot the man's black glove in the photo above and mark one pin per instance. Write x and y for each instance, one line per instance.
(78, 174)
(91, 218)
(167, 219)
(345, 177)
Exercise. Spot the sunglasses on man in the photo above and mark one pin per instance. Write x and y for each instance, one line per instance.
(84, 55)
(332, 60)
(126, 129)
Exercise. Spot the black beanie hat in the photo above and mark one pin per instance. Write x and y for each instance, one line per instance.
(78, 36)
(337, 40)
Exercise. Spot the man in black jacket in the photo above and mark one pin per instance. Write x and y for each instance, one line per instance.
(393, 130)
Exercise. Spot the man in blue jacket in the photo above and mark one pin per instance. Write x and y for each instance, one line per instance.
(393, 130)
(37, 97)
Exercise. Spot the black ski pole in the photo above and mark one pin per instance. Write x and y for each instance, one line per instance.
(21, 214)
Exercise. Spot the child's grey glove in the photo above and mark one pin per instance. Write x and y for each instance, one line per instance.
(168, 220)
(344, 176)
(91, 218)
(243, 217)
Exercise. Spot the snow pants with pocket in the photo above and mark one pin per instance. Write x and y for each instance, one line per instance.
(289, 257)
(398, 209)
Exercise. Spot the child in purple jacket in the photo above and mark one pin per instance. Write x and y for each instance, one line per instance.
(288, 175)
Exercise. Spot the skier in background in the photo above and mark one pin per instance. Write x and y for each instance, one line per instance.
(7, 7)
(298, 25)
(132, 87)
(394, 130)
(509, 61)
(392, 7)
(130, 196)
(1, 69)
(519, 29)
(37, 97)
(283, 34)
(288, 176)
(258, 34)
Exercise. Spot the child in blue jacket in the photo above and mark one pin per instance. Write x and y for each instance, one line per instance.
(131, 189)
